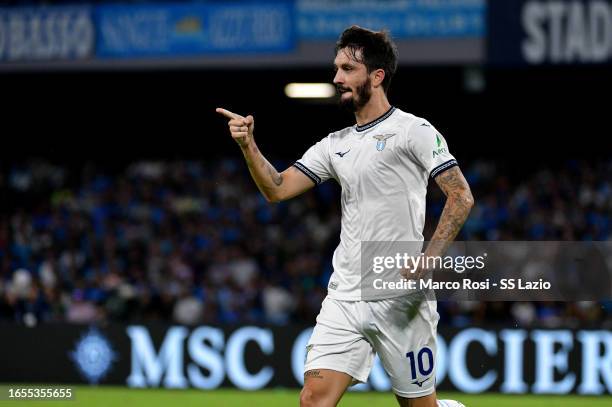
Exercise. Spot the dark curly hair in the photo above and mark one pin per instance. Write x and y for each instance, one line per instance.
(377, 50)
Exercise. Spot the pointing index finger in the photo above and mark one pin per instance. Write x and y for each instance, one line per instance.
(228, 114)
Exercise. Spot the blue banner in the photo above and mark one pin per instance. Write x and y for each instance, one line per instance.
(45, 33)
(538, 32)
(194, 29)
(405, 19)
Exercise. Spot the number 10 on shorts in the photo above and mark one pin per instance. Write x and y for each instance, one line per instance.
(419, 361)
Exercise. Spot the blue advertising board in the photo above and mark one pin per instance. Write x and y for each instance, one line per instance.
(406, 19)
(248, 357)
(194, 29)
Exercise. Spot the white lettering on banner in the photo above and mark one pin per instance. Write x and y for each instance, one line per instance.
(567, 32)
(547, 361)
(147, 367)
(207, 357)
(458, 372)
(594, 364)
(234, 357)
(212, 360)
(45, 34)
(534, 48)
(601, 30)
(513, 356)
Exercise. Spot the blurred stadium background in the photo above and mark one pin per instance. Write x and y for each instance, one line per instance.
(135, 250)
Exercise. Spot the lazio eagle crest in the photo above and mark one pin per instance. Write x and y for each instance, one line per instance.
(381, 140)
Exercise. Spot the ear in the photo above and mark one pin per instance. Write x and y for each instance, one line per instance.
(377, 76)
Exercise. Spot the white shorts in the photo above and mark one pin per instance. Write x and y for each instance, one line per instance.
(401, 331)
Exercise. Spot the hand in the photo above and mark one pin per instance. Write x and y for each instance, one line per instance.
(241, 128)
(418, 273)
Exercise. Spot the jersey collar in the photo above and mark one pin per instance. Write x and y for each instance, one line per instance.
(375, 122)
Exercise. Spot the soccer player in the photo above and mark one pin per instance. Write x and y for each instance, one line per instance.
(383, 164)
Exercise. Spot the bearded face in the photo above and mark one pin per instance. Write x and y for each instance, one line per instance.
(353, 99)
(353, 83)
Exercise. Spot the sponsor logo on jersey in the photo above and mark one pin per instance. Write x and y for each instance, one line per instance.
(440, 149)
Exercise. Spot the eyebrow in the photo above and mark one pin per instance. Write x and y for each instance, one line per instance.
(344, 65)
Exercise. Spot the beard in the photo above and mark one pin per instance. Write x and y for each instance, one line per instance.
(358, 99)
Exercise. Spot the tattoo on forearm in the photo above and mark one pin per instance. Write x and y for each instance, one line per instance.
(458, 205)
(315, 374)
(259, 165)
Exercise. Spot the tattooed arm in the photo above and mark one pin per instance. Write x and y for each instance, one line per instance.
(459, 202)
(275, 187)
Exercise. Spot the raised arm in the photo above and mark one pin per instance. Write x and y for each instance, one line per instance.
(459, 202)
(274, 186)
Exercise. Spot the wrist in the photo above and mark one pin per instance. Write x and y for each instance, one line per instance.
(248, 147)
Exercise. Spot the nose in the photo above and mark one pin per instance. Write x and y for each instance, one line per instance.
(338, 79)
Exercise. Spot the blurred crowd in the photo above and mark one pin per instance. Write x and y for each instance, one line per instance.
(195, 243)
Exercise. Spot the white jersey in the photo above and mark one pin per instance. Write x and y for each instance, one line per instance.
(383, 168)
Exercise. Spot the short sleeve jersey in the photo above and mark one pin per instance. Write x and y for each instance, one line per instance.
(383, 168)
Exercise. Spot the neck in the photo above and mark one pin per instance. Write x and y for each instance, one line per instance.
(376, 107)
